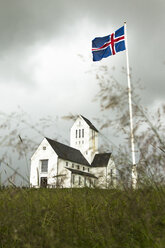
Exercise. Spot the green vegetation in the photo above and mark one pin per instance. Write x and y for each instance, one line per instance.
(82, 218)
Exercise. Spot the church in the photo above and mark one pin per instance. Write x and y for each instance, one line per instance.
(56, 165)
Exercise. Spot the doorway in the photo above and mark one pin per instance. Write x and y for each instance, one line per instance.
(43, 182)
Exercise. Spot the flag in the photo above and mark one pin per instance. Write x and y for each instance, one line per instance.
(102, 47)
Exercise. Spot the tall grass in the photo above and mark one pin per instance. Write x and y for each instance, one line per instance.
(82, 218)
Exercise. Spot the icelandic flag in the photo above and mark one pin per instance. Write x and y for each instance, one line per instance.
(102, 47)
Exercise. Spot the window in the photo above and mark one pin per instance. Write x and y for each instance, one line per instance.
(76, 133)
(82, 133)
(79, 133)
(88, 169)
(79, 181)
(72, 165)
(90, 182)
(44, 148)
(83, 168)
(82, 142)
(73, 179)
(66, 163)
(44, 165)
(85, 181)
(111, 175)
(78, 167)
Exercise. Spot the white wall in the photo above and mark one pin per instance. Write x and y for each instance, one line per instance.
(100, 173)
(64, 175)
(64, 178)
(111, 179)
(40, 154)
(93, 144)
(87, 145)
(104, 175)
(85, 181)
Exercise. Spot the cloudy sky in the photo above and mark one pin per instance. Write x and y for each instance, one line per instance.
(45, 52)
(46, 63)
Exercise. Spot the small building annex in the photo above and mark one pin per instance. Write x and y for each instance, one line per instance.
(79, 165)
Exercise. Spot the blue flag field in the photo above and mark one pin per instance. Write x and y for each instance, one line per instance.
(103, 47)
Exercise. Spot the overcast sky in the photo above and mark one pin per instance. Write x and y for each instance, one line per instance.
(46, 63)
(41, 40)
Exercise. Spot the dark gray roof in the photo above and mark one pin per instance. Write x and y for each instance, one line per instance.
(90, 124)
(101, 160)
(83, 173)
(67, 152)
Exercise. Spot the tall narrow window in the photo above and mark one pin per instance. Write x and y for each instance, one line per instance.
(73, 179)
(66, 163)
(76, 133)
(82, 133)
(44, 165)
(79, 182)
(111, 174)
(79, 133)
(85, 181)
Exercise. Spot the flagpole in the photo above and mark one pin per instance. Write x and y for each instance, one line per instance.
(134, 172)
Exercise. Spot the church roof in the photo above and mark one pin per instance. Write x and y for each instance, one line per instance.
(67, 152)
(89, 124)
(83, 173)
(101, 160)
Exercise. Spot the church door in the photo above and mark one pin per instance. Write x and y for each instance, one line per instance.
(43, 182)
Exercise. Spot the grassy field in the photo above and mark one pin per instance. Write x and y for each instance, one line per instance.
(82, 218)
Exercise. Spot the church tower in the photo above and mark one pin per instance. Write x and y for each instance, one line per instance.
(84, 137)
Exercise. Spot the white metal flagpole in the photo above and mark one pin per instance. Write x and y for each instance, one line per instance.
(134, 172)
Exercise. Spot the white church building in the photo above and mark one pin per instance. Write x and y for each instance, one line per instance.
(79, 165)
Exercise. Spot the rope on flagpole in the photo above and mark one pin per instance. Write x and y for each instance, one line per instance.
(134, 172)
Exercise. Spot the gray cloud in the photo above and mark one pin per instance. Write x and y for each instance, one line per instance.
(23, 24)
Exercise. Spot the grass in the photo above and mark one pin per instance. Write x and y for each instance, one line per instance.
(68, 218)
